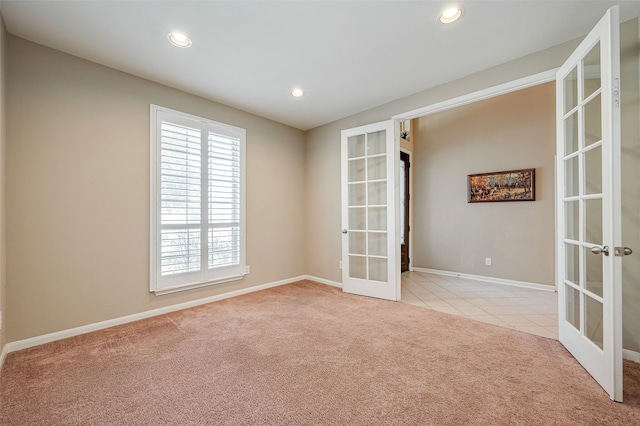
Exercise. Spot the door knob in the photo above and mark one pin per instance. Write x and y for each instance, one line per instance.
(600, 250)
(344, 231)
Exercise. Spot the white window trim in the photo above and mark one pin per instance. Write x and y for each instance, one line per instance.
(189, 281)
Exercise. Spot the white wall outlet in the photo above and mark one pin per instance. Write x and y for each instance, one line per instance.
(487, 261)
(340, 265)
(247, 269)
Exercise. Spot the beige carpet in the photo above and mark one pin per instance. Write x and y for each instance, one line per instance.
(307, 354)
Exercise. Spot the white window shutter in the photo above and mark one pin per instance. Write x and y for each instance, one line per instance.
(197, 196)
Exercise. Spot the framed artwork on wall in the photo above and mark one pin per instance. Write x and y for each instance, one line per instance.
(511, 185)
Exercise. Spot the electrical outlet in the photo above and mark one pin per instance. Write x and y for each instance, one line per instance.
(248, 269)
(340, 265)
(487, 261)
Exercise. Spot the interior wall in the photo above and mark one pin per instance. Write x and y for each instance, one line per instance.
(510, 132)
(78, 192)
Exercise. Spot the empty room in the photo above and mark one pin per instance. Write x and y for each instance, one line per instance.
(318, 212)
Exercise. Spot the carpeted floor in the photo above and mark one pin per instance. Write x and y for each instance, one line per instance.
(307, 354)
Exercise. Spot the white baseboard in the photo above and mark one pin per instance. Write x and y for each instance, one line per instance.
(323, 281)
(63, 334)
(631, 355)
(493, 280)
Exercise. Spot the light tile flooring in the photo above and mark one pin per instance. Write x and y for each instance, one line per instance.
(528, 310)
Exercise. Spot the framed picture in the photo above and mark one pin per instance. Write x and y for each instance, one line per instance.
(512, 185)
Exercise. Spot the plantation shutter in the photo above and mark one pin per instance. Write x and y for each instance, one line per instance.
(180, 199)
(197, 197)
(224, 201)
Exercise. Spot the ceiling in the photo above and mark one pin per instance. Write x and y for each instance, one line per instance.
(348, 56)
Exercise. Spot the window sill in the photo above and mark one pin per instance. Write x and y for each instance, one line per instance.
(183, 287)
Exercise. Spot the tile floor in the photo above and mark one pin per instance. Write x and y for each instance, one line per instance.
(528, 310)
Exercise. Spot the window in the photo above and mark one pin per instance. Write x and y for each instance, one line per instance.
(197, 201)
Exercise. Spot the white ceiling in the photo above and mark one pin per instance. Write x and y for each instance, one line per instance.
(348, 56)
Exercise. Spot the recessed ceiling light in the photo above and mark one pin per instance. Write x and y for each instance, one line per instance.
(450, 15)
(297, 92)
(179, 39)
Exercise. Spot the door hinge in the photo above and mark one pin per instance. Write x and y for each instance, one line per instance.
(616, 92)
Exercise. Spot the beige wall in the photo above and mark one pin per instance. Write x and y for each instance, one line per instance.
(3, 142)
(509, 132)
(78, 192)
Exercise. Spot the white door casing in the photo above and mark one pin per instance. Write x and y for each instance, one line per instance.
(369, 163)
(589, 206)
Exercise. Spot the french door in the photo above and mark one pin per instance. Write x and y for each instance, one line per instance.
(369, 171)
(588, 205)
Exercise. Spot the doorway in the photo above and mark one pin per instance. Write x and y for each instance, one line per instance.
(405, 197)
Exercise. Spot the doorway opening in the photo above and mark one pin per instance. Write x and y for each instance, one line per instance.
(405, 211)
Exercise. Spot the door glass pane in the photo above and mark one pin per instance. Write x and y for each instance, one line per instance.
(572, 263)
(592, 71)
(571, 90)
(377, 194)
(377, 167)
(572, 183)
(593, 170)
(357, 242)
(593, 121)
(594, 321)
(378, 218)
(377, 243)
(572, 302)
(358, 267)
(377, 269)
(593, 221)
(377, 142)
(593, 271)
(356, 146)
(357, 220)
(571, 211)
(356, 170)
(571, 133)
(357, 194)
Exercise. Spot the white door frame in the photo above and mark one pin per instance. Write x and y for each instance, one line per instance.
(480, 95)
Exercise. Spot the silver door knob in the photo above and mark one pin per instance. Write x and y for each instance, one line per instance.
(344, 231)
(600, 250)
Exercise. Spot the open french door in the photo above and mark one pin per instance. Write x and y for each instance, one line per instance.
(588, 205)
(369, 170)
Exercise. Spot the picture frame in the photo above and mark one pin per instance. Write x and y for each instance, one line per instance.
(510, 185)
